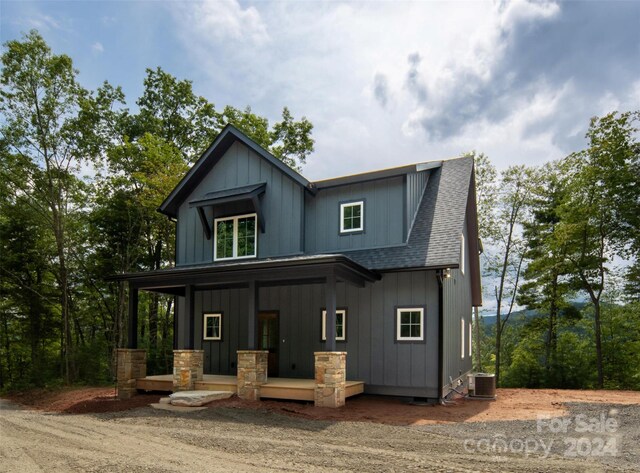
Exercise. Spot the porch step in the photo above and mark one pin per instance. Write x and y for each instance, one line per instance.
(198, 398)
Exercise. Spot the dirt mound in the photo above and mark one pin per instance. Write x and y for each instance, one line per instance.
(79, 400)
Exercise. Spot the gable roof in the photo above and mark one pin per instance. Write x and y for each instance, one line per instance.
(434, 241)
(210, 158)
(375, 175)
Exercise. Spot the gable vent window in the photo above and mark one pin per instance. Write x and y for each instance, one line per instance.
(235, 237)
(352, 217)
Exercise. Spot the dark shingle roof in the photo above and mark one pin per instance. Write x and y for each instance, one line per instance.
(434, 240)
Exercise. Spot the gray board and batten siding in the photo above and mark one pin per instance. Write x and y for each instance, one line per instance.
(413, 218)
(374, 356)
(457, 304)
(390, 206)
(282, 206)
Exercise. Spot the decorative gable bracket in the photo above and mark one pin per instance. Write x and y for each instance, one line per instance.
(251, 193)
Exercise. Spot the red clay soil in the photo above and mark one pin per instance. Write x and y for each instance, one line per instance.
(511, 404)
(79, 400)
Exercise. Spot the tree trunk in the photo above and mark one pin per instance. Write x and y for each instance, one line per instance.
(34, 335)
(7, 352)
(66, 322)
(598, 344)
(154, 301)
(153, 322)
(550, 352)
(476, 317)
(498, 345)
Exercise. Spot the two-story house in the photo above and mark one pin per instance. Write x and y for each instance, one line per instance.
(358, 283)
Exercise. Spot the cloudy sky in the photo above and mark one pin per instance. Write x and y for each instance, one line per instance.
(385, 83)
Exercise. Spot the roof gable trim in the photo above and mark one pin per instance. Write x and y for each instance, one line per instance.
(210, 158)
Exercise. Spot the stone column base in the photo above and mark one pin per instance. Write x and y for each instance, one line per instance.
(187, 369)
(331, 378)
(132, 364)
(252, 373)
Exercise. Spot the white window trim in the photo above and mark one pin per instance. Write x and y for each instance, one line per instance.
(399, 311)
(235, 219)
(462, 324)
(462, 253)
(470, 339)
(352, 204)
(344, 325)
(204, 326)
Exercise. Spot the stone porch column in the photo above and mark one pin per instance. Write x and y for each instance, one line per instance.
(187, 369)
(132, 364)
(331, 378)
(252, 373)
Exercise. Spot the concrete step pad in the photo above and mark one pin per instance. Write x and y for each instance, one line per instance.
(169, 407)
(198, 398)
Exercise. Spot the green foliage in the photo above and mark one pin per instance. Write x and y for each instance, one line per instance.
(551, 234)
(61, 233)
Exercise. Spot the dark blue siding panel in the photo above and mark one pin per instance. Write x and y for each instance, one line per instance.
(416, 182)
(383, 216)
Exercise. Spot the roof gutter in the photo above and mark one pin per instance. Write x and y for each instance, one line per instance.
(262, 264)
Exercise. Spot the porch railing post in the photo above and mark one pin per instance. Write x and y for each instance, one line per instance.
(132, 328)
(252, 315)
(330, 320)
(188, 306)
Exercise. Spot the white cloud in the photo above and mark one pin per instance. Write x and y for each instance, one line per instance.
(97, 47)
(39, 21)
(222, 20)
(346, 67)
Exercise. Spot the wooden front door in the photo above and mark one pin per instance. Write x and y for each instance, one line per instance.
(268, 338)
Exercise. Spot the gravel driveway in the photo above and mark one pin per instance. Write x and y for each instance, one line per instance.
(238, 440)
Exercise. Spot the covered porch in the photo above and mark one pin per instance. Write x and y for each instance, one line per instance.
(329, 386)
(291, 389)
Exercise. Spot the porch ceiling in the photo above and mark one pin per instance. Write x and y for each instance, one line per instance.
(283, 271)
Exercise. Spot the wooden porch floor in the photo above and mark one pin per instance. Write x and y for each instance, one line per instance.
(292, 389)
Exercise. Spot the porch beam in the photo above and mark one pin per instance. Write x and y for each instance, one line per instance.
(132, 327)
(350, 277)
(234, 276)
(330, 295)
(252, 314)
(188, 306)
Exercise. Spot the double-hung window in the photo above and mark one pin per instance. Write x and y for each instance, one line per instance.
(410, 324)
(352, 217)
(235, 237)
(462, 339)
(341, 325)
(470, 340)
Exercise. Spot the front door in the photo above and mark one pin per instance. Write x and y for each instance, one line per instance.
(268, 334)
